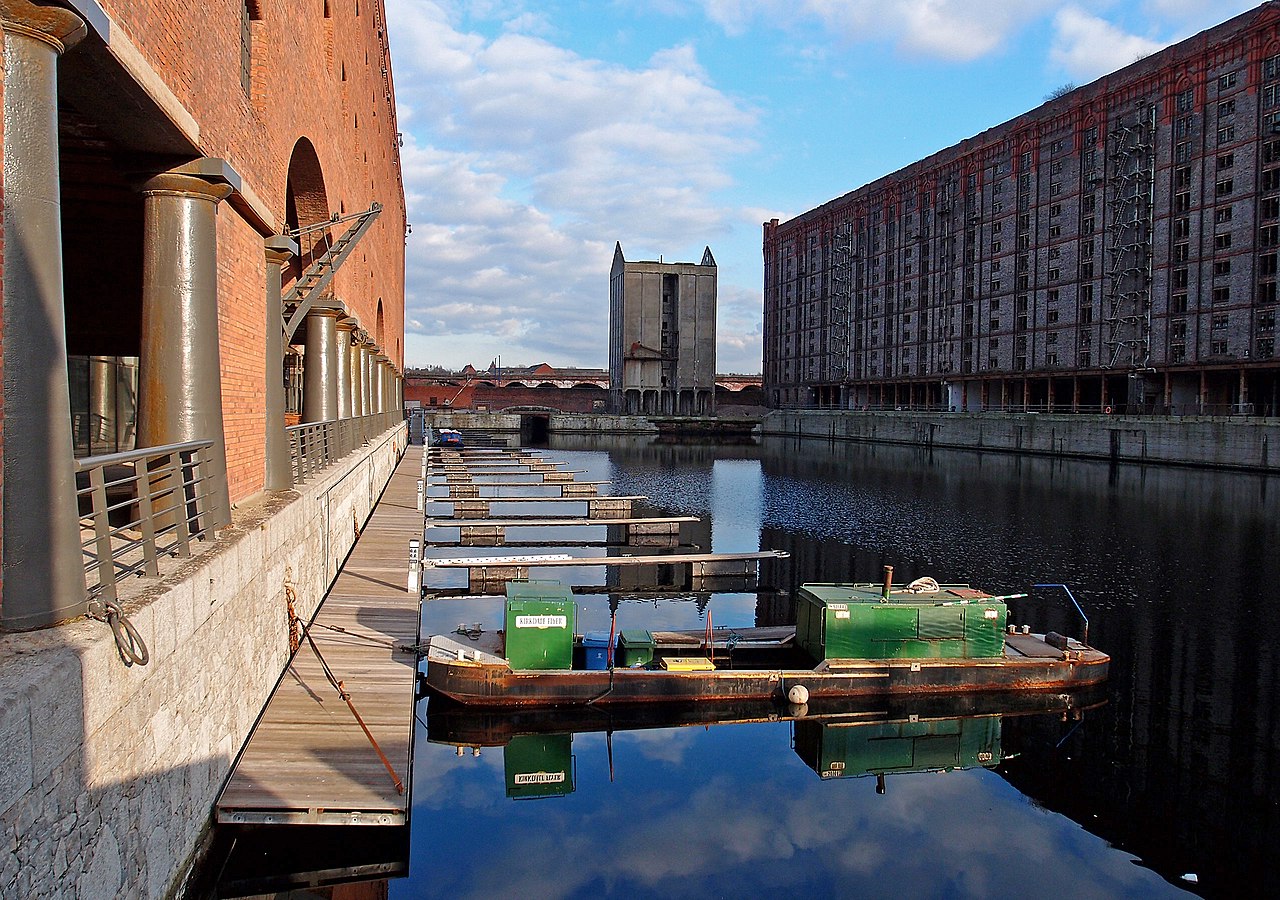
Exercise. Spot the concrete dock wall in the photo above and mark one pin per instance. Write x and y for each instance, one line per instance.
(1217, 442)
(110, 773)
(558, 423)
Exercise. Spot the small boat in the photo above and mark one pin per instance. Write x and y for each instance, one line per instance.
(449, 437)
(850, 640)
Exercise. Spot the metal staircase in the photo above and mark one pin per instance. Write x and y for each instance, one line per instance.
(311, 285)
(1131, 204)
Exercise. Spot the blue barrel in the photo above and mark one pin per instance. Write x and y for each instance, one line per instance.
(595, 650)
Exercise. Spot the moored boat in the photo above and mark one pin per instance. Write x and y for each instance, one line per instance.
(449, 437)
(851, 640)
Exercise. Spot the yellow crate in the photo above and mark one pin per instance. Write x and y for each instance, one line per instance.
(688, 664)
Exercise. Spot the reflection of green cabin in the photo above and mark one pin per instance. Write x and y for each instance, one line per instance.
(539, 765)
(847, 750)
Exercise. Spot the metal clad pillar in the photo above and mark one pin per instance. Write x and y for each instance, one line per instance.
(42, 561)
(366, 388)
(343, 360)
(279, 470)
(320, 367)
(180, 372)
(354, 362)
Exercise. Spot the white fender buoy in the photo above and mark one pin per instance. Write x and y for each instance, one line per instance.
(798, 694)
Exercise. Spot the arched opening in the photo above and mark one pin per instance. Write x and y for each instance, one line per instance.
(377, 336)
(306, 206)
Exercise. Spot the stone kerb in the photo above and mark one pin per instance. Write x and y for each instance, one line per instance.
(111, 772)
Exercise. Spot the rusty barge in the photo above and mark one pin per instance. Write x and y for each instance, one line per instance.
(850, 640)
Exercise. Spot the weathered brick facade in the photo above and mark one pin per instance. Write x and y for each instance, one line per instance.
(1116, 246)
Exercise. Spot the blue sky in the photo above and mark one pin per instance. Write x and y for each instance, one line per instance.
(538, 134)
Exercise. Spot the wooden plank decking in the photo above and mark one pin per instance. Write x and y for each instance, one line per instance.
(307, 760)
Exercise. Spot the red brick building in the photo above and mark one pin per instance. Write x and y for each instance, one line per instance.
(163, 163)
(1114, 248)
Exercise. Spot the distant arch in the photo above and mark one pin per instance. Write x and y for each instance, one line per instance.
(377, 335)
(306, 203)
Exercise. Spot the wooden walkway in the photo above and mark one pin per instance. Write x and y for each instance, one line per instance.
(307, 760)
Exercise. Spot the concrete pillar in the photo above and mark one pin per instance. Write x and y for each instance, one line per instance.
(180, 372)
(320, 367)
(42, 561)
(343, 359)
(355, 364)
(279, 470)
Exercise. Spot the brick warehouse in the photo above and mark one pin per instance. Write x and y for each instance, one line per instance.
(1113, 248)
(200, 203)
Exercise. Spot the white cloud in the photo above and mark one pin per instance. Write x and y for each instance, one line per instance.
(524, 162)
(1087, 47)
(948, 29)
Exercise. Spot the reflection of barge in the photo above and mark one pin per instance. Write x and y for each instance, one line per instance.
(836, 738)
(850, 641)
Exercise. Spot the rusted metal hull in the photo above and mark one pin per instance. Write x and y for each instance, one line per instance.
(494, 684)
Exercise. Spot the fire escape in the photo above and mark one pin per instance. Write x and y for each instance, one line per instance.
(841, 302)
(1130, 202)
(312, 284)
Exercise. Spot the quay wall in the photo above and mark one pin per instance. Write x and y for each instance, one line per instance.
(110, 773)
(558, 423)
(1210, 441)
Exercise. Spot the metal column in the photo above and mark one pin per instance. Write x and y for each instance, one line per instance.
(279, 471)
(343, 359)
(320, 367)
(42, 562)
(180, 373)
(355, 362)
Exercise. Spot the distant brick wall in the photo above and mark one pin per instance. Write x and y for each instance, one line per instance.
(494, 399)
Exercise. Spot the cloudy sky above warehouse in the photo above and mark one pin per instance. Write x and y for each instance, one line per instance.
(537, 133)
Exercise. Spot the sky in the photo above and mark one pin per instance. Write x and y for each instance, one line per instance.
(540, 133)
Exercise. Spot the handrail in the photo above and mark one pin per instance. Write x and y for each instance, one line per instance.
(314, 446)
(1074, 602)
(139, 505)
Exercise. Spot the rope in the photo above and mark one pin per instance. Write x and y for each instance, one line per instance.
(471, 632)
(129, 643)
(295, 623)
(340, 687)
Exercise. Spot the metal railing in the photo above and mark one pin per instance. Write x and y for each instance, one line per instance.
(1151, 410)
(138, 506)
(315, 445)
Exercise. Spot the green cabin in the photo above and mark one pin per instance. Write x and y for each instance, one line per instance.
(843, 621)
(539, 625)
(539, 765)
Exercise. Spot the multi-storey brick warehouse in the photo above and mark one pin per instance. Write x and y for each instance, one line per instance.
(1114, 248)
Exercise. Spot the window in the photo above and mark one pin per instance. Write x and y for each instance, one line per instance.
(1222, 267)
(995, 304)
(1182, 228)
(1182, 202)
(1271, 180)
(1055, 273)
(1227, 81)
(1219, 322)
(1225, 187)
(1178, 304)
(1086, 225)
(995, 246)
(1226, 108)
(1222, 241)
(1179, 278)
(1226, 135)
(1266, 348)
(1268, 236)
(993, 344)
(1055, 231)
(1184, 101)
(1269, 208)
(995, 285)
(1266, 320)
(1182, 152)
(1181, 252)
(1051, 338)
(1053, 316)
(1218, 348)
(1221, 295)
(1220, 216)
(1182, 178)
(1271, 96)
(1225, 161)
(994, 325)
(1267, 264)
(1178, 329)
(1182, 127)
(1177, 353)
(1271, 67)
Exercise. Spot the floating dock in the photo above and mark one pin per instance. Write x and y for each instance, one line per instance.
(307, 760)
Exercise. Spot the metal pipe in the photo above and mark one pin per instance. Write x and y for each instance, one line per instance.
(279, 473)
(888, 583)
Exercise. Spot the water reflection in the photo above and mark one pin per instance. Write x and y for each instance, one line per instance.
(1172, 776)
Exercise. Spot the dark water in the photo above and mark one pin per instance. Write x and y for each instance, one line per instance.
(1163, 788)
